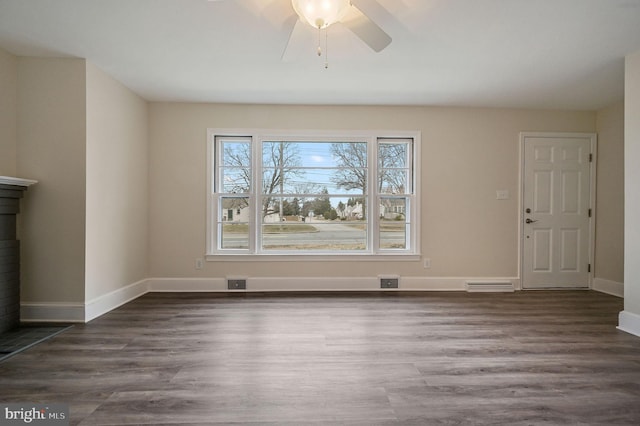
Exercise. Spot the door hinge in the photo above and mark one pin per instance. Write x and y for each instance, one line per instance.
(591, 158)
(589, 268)
(589, 212)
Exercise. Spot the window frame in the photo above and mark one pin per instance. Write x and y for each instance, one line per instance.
(256, 137)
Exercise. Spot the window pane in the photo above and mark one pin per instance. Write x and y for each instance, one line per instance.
(314, 154)
(234, 235)
(351, 173)
(306, 181)
(273, 205)
(315, 234)
(322, 223)
(321, 207)
(393, 231)
(234, 153)
(394, 167)
(392, 155)
(393, 181)
(393, 235)
(234, 226)
(233, 165)
(235, 180)
(283, 181)
(313, 167)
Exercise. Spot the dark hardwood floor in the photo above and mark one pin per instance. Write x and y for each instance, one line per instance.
(523, 358)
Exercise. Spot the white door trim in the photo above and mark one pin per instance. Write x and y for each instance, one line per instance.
(592, 197)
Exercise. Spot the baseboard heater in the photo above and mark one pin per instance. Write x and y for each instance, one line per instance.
(489, 286)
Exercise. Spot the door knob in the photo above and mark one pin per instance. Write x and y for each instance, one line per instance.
(530, 220)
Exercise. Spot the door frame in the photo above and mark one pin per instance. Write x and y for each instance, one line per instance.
(593, 137)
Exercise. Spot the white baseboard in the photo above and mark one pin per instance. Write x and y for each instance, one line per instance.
(188, 285)
(613, 288)
(81, 312)
(270, 284)
(629, 322)
(490, 286)
(85, 312)
(108, 302)
(314, 284)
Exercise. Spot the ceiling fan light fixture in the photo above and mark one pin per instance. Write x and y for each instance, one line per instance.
(321, 13)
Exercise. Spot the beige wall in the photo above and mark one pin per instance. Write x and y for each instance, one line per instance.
(122, 195)
(609, 262)
(467, 154)
(632, 188)
(116, 200)
(8, 113)
(51, 150)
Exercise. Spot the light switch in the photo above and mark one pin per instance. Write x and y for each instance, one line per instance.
(502, 194)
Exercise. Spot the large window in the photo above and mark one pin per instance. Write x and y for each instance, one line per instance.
(312, 193)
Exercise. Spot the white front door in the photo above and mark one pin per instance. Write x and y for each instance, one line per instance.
(556, 217)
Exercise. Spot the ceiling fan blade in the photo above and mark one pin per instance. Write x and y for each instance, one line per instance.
(367, 30)
(279, 13)
(298, 39)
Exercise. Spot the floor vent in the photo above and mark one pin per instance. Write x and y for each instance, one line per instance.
(490, 286)
(237, 284)
(389, 282)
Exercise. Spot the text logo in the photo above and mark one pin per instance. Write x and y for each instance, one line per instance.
(34, 414)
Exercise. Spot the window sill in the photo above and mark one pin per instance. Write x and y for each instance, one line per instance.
(400, 257)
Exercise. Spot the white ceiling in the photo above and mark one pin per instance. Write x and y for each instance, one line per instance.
(566, 54)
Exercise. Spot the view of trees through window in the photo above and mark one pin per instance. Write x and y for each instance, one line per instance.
(312, 195)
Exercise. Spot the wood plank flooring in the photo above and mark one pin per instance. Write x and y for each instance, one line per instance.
(524, 358)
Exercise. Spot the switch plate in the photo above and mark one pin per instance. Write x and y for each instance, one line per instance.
(199, 263)
(427, 263)
(502, 194)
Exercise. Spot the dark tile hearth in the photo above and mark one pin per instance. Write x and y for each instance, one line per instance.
(15, 341)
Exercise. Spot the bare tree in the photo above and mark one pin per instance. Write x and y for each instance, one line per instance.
(352, 157)
(237, 161)
(280, 162)
(392, 168)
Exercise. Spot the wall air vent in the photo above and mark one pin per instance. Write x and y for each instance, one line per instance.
(237, 283)
(389, 282)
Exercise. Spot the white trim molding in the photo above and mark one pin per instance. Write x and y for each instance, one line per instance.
(629, 322)
(81, 312)
(613, 288)
(110, 301)
(85, 312)
(490, 286)
(187, 285)
(301, 284)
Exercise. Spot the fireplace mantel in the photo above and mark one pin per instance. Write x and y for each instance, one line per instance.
(8, 180)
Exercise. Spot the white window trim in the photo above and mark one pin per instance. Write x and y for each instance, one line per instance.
(258, 135)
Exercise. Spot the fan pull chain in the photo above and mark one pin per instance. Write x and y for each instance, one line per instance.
(326, 48)
(326, 45)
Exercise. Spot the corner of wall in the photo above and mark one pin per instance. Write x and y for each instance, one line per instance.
(8, 113)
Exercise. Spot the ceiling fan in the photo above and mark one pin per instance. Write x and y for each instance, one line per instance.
(321, 14)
